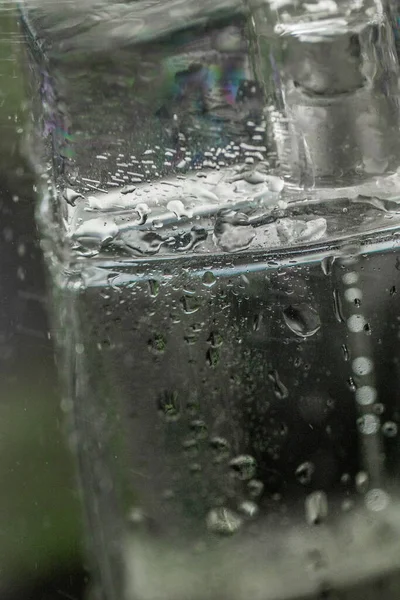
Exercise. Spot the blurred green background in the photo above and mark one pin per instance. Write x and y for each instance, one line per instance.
(40, 521)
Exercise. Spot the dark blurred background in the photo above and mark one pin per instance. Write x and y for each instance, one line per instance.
(40, 521)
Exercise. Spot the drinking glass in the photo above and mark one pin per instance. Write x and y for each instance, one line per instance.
(218, 194)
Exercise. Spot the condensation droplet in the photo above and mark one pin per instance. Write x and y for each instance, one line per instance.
(303, 320)
(71, 196)
(316, 506)
(275, 184)
(257, 320)
(249, 508)
(379, 408)
(280, 390)
(346, 353)
(195, 468)
(169, 406)
(190, 447)
(351, 384)
(337, 307)
(199, 429)
(254, 177)
(209, 279)
(213, 357)
(326, 264)
(255, 488)
(243, 466)
(304, 472)
(233, 238)
(190, 304)
(157, 344)
(362, 482)
(154, 287)
(221, 448)
(223, 521)
(389, 429)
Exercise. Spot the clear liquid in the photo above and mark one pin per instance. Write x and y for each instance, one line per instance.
(226, 430)
(234, 387)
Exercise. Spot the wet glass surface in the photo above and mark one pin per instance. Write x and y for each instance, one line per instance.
(230, 361)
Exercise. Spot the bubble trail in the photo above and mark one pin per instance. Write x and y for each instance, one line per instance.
(360, 348)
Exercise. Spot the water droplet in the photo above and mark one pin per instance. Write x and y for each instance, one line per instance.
(389, 429)
(280, 390)
(346, 353)
(221, 448)
(215, 339)
(368, 424)
(223, 521)
(376, 500)
(304, 472)
(169, 406)
(213, 357)
(199, 429)
(362, 482)
(257, 320)
(302, 319)
(71, 196)
(254, 177)
(255, 488)
(158, 343)
(379, 408)
(316, 506)
(179, 209)
(190, 304)
(154, 287)
(209, 279)
(275, 184)
(337, 307)
(249, 508)
(97, 231)
(243, 466)
(351, 384)
(128, 189)
(233, 238)
(327, 264)
(294, 231)
(190, 447)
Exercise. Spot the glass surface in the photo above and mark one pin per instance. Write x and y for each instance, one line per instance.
(218, 193)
